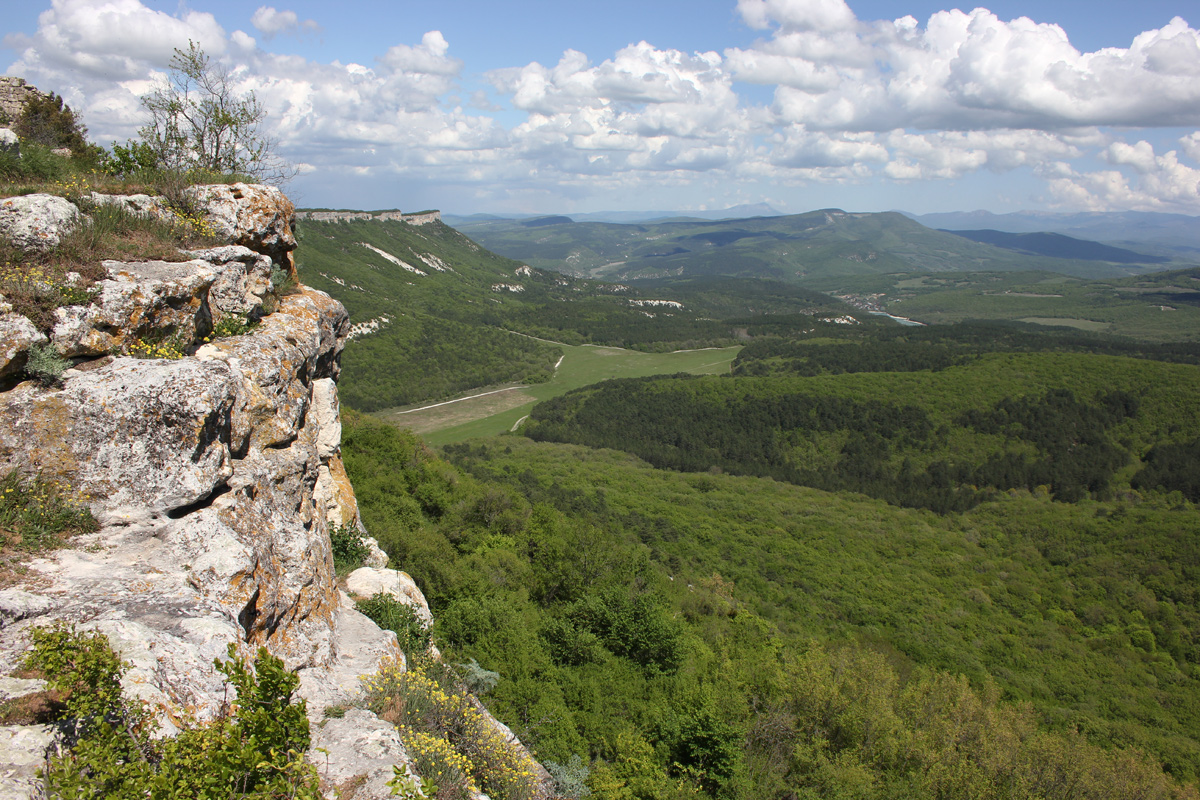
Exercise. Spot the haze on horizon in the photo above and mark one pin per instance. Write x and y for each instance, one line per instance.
(538, 108)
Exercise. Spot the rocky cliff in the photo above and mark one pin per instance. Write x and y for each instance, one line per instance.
(215, 478)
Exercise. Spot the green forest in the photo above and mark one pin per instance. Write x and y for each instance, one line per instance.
(725, 636)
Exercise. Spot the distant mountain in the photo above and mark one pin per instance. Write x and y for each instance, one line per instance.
(626, 217)
(1058, 245)
(1179, 233)
(735, 212)
(818, 249)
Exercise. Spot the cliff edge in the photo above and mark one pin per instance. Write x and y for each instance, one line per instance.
(214, 474)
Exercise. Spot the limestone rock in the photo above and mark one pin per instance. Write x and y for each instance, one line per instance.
(243, 280)
(375, 556)
(136, 436)
(367, 582)
(18, 604)
(359, 750)
(9, 143)
(137, 203)
(37, 221)
(296, 345)
(22, 754)
(20, 687)
(334, 496)
(327, 412)
(148, 300)
(360, 647)
(17, 335)
(255, 216)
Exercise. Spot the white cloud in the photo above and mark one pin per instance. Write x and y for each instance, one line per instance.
(820, 15)
(270, 22)
(1159, 183)
(854, 101)
(1191, 145)
(963, 71)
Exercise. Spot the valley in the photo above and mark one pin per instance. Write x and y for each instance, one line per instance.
(711, 527)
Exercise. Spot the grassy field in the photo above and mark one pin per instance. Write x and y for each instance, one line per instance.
(489, 412)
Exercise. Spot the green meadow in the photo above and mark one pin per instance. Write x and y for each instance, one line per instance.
(492, 411)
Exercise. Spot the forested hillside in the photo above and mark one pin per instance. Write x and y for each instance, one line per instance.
(694, 635)
(873, 562)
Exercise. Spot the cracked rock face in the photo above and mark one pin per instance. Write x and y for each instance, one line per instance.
(148, 300)
(255, 216)
(17, 335)
(215, 479)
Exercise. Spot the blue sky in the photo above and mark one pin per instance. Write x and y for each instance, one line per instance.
(545, 106)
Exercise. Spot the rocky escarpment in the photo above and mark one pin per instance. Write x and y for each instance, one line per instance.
(215, 478)
(417, 218)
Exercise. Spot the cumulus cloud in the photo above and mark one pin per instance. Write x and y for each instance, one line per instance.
(270, 22)
(853, 101)
(1159, 182)
(962, 71)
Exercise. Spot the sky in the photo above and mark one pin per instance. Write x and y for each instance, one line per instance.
(545, 106)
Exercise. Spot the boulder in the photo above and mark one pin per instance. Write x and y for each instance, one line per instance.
(134, 436)
(357, 750)
(367, 582)
(9, 143)
(22, 755)
(375, 555)
(17, 335)
(148, 300)
(37, 221)
(253, 215)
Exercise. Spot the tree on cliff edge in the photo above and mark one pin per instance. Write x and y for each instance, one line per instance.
(197, 120)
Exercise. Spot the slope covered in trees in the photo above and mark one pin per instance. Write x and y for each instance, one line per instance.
(944, 440)
(723, 636)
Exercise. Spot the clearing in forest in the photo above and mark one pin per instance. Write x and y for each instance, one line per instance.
(492, 411)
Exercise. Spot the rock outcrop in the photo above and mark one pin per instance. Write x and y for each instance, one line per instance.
(10, 143)
(215, 477)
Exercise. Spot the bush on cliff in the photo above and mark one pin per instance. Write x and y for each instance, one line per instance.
(253, 749)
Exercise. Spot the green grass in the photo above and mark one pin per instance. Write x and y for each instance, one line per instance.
(581, 366)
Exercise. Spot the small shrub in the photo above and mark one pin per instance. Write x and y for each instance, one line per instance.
(349, 550)
(81, 667)
(283, 282)
(445, 730)
(411, 631)
(409, 786)
(47, 121)
(36, 512)
(130, 159)
(254, 749)
(233, 326)
(44, 365)
(570, 779)
(478, 679)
